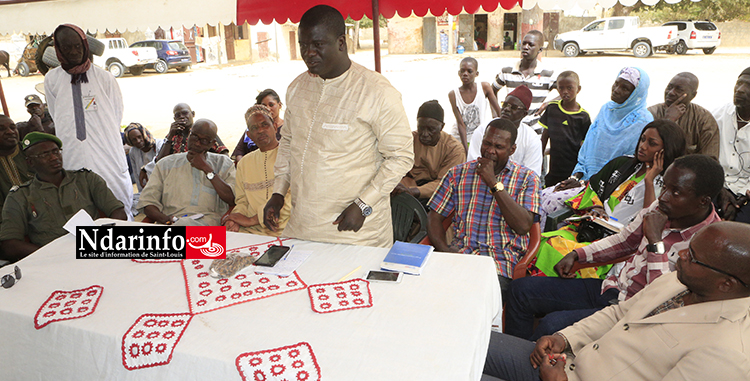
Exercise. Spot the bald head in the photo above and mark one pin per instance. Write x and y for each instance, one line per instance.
(717, 264)
(205, 128)
(183, 116)
(733, 244)
(182, 106)
(684, 83)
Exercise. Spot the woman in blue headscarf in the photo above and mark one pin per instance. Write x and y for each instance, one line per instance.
(614, 133)
(616, 129)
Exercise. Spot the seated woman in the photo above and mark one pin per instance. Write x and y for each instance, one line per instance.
(614, 133)
(270, 99)
(619, 191)
(146, 149)
(255, 178)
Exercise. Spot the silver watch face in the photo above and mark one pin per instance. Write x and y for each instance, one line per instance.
(210, 176)
(366, 211)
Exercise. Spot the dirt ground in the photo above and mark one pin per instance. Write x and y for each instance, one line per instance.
(223, 93)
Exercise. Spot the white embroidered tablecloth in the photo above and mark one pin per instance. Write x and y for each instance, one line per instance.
(430, 327)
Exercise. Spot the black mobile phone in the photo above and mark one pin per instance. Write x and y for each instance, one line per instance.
(272, 255)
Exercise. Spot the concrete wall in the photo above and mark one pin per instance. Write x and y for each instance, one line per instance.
(242, 50)
(734, 33)
(568, 23)
(404, 35)
(495, 27)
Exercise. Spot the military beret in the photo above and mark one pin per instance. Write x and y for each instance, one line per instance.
(37, 137)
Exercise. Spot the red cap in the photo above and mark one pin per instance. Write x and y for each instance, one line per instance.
(524, 94)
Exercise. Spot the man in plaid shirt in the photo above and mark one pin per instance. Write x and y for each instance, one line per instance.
(493, 200)
(649, 246)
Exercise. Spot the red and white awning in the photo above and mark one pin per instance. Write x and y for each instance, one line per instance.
(265, 11)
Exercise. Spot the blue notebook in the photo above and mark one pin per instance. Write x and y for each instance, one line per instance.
(406, 257)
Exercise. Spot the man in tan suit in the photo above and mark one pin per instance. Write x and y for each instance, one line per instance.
(692, 324)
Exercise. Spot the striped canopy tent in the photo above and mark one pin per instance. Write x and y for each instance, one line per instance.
(254, 11)
(587, 4)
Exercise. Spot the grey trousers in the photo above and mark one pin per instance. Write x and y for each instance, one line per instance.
(508, 359)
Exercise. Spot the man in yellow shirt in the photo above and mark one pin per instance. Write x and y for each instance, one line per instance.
(255, 177)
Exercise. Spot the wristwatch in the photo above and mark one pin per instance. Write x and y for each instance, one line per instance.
(657, 247)
(498, 187)
(366, 209)
(210, 176)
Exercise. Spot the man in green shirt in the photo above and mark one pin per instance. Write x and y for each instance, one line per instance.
(13, 169)
(39, 208)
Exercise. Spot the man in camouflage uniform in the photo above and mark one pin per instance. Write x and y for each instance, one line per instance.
(39, 208)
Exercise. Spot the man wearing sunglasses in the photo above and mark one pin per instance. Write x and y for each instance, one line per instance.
(692, 324)
(193, 187)
(528, 144)
(39, 208)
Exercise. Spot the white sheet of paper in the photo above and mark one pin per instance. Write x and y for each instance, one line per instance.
(285, 267)
(79, 219)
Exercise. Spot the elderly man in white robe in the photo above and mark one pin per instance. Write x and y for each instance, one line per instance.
(345, 144)
(191, 188)
(86, 105)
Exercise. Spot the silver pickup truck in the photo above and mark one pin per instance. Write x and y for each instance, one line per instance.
(616, 34)
(117, 57)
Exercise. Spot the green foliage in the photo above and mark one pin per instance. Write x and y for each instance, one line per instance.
(713, 10)
(366, 22)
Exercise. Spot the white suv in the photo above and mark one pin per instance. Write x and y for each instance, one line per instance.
(696, 35)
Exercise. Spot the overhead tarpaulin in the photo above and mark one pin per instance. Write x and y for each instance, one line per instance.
(266, 11)
(44, 16)
(588, 4)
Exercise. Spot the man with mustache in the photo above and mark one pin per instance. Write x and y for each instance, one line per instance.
(528, 144)
(345, 144)
(493, 201)
(435, 152)
(734, 152)
(39, 208)
(193, 188)
(176, 141)
(649, 246)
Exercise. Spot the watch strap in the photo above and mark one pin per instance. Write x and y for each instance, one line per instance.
(656, 247)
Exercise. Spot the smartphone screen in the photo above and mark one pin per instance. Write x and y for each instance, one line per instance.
(271, 256)
(384, 276)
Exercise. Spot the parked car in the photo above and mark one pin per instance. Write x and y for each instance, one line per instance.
(118, 57)
(696, 35)
(172, 54)
(616, 34)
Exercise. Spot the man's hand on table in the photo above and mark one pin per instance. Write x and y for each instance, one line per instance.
(546, 345)
(565, 266)
(350, 219)
(272, 211)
